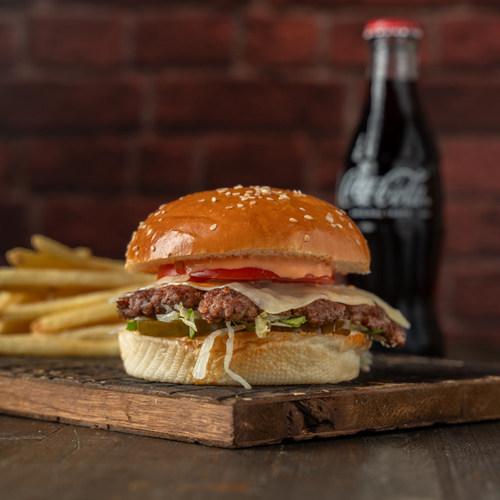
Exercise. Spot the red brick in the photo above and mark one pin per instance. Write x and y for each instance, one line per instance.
(212, 102)
(8, 44)
(463, 105)
(470, 164)
(331, 163)
(14, 232)
(45, 105)
(478, 289)
(166, 164)
(184, 39)
(104, 224)
(284, 41)
(472, 227)
(254, 159)
(76, 164)
(71, 40)
(339, 3)
(474, 42)
(7, 166)
(347, 47)
(16, 3)
(152, 3)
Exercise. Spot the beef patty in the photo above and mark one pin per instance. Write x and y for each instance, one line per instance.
(226, 304)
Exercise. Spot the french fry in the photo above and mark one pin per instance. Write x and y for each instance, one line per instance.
(9, 299)
(54, 301)
(57, 345)
(64, 320)
(83, 252)
(23, 257)
(47, 246)
(45, 279)
(9, 327)
(95, 332)
(32, 311)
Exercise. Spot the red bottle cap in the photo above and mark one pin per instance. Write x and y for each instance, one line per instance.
(390, 27)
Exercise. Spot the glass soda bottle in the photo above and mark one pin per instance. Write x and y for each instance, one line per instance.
(391, 186)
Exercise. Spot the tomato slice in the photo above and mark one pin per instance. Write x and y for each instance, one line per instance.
(242, 274)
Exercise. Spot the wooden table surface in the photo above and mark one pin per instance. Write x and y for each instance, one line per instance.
(51, 460)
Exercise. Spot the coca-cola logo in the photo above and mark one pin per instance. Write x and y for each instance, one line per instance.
(401, 187)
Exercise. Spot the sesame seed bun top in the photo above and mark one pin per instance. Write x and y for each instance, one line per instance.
(254, 221)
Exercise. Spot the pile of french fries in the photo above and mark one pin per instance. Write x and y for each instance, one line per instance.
(55, 301)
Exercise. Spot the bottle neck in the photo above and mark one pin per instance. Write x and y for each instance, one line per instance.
(393, 58)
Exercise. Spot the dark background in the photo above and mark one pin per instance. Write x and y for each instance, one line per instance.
(109, 108)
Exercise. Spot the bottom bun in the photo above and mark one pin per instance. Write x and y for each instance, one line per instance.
(278, 359)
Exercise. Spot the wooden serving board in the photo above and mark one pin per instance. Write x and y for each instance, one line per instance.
(400, 391)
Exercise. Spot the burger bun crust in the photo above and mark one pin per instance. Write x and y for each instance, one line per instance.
(253, 221)
(278, 359)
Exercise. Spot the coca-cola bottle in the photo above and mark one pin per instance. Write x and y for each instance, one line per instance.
(391, 186)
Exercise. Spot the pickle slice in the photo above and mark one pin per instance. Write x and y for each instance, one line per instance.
(176, 328)
(341, 327)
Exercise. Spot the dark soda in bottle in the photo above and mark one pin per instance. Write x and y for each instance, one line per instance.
(391, 186)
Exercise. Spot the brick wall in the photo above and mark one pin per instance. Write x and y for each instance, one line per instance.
(110, 107)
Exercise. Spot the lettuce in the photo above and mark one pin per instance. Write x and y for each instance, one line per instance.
(229, 355)
(132, 326)
(187, 316)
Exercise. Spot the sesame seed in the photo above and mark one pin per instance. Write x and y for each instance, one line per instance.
(239, 205)
(201, 200)
(159, 220)
(350, 225)
(214, 199)
(213, 227)
(284, 197)
(162, 212)
(235, 194)
(141, 224)
(308, 217)
(307, 237)
(153, 248)
(357, 241)
(239, 186)
(228, 208)
(303, 209)
(136, 254)
(292, 219)
(253, 202)
(157, 213)
(149, 231)
(135, 248)
(270, 199)
(222, 190)
(228, 193)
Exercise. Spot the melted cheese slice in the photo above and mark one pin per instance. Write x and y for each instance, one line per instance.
(275, 298)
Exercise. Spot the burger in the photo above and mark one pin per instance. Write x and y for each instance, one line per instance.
(246, 292)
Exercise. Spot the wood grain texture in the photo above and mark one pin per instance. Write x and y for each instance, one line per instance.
(400, 391)
(46, 460)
